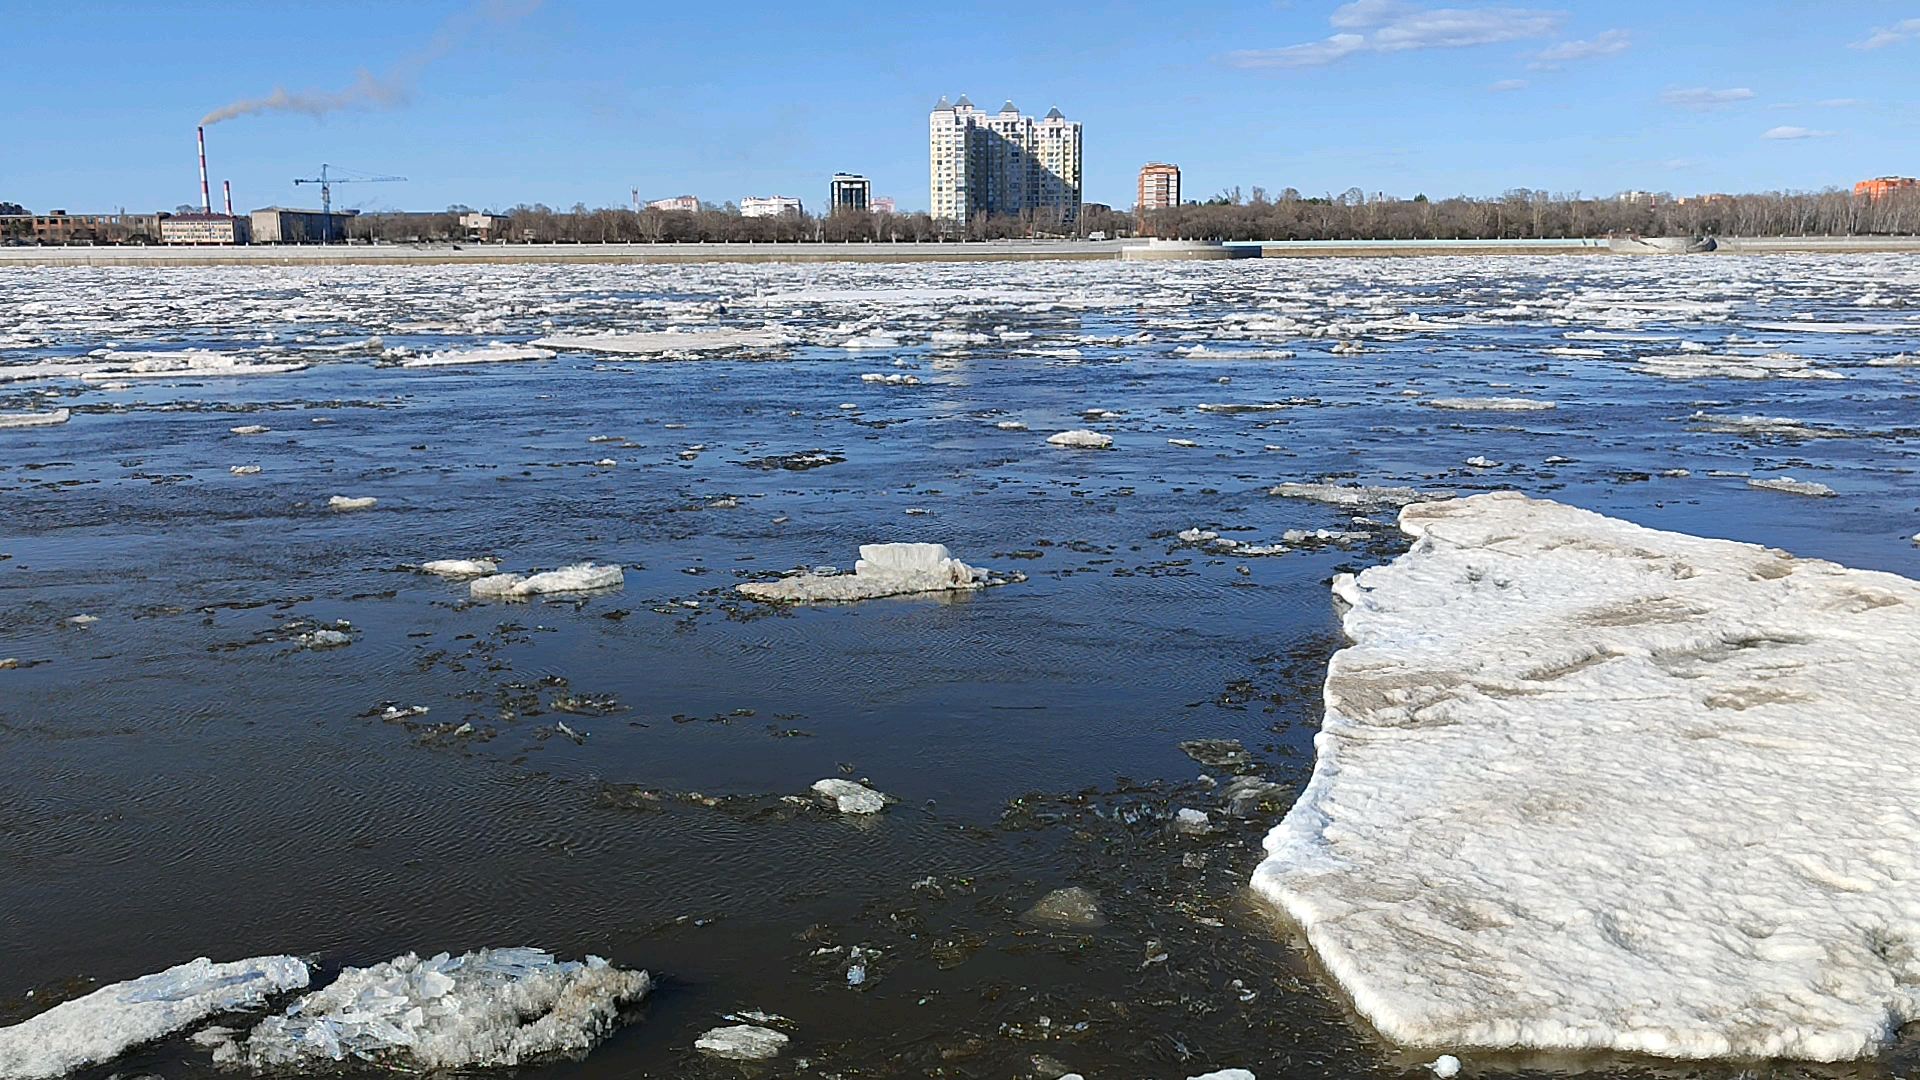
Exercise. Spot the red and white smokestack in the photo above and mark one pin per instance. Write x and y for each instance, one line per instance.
(206, 197)
(227, 187)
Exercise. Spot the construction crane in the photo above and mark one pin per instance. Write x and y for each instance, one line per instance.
(326, 183)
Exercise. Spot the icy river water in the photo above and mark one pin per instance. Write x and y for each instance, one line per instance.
(182, 774)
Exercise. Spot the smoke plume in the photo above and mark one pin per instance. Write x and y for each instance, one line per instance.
(370, 91)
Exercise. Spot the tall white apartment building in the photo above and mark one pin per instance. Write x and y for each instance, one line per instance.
(1002, 163)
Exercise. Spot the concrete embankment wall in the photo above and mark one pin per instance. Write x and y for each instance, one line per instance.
(992, 251)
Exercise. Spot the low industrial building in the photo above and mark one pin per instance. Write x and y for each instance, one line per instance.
(680, 203)
(282, 225)
(1881, 186)
(770, 206)
(205, 229)
(60, 227)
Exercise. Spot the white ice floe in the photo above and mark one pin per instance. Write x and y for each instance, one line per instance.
(459, 567)
(1792, 487)
(849, 797)
(34, 419)
(1225, 1074)
(1813, 326)
(742, 1042)
(1481, 461)
(1763, 425)
(1490, 404)
(250, 429)
(1587, 785)
(114, 1019)
(1206, 352)
(1082, 439)
(1446, 1066)
(672, 341)
(498, 352)
(493, 1007)
(1355, 496)
(890, 378)
(1011, 425)
(882, 570)
(325, 638)
(244, 470)
(1247, 407)
(577, 578)
(346, 502)
(190, 363)
(1706, 366)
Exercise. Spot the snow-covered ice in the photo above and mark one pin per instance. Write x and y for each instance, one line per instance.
(116, 1018)
(742, 1042)
(496, 353)
(1355, 496)
(1082, 439)
(351, 502)
(577, 578)
(1792, 486)
(460, 567)
(849, 797)
(34, 419)
(882, 570)
(1582, 784)
(493, 1007)
(190, 363)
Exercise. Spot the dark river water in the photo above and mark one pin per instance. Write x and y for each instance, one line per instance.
(182, 778)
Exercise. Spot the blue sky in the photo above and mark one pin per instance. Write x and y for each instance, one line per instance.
(494, 102)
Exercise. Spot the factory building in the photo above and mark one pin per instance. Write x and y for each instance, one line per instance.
(281, 225)
(770, 206)
(849, 192)
(60, 227)
(205, 229)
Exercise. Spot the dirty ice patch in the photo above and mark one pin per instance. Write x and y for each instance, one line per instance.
(496, 353)
(882, 570)
(114, 1019)
(1587, 785)
(493, 1007)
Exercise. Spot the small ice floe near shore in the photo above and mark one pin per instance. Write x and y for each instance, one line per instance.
(742, 1042)
(1355, 496)
(114, 1019)
(489, 1008)
(578, 578)
(1490, 404)
(1791, 486)
(1587, 785)
(352, 502)
(459, 568)
(495, 353)
(669, 341)
(34, 419)
(191, 363)
(1081, 439)
(850, 798)
(882, 570)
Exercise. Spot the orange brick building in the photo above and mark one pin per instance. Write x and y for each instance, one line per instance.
(1884, 185)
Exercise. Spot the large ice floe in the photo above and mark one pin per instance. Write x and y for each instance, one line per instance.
(498, 352)
(117, 1018)
(883, 570)
(188, 363)
(1583, 784)
(635, 343)
(493, 1007)
(34, 419)
(583, 577)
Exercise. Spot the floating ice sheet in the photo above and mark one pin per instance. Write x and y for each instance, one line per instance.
(1583, 784)
(34, 419)
(578, 578)
(493, 1007)
(114, 1019)
(495, 353)
(883, 570)
(672, 341)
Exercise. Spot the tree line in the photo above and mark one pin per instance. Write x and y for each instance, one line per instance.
(1523, 214)
(538, 223)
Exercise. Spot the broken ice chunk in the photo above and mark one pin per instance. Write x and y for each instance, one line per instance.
(343, 502)
(882, 570)
(33, 419)
(849, 797)
(742, 1042)
(1793, 487)
(459, 567)
(1081, 439)
(577, 578)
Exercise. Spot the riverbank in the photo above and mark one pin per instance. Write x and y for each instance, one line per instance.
(986, 251)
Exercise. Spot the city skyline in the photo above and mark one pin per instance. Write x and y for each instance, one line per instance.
(479, 105)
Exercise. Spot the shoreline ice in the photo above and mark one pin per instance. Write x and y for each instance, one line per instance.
(1587, 785)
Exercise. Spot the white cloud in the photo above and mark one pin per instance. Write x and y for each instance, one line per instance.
(1883, 36)
(1795, 133)
(1700, 97)
(1605, 44)
(1389, 26)
(1505, 86)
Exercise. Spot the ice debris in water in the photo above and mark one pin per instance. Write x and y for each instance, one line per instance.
(742, 1042)
(1587, 785)
(1446, 1066)
(882, 570)
(244, 470)
(325, 639)
(189, 363)
(1081, 439)
(892, 378)
(496, 353)
(344, 502)
(1011, 425)
(1355, 496)
(1072, 908)
(459, 567)
(116, 1018)
(672, 341)
(577, 578)
(1490, 404)
(250, 429)
(492, 1007)
(1793, 487)
(1225, 1074)
(849, 797)
(34, 419)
